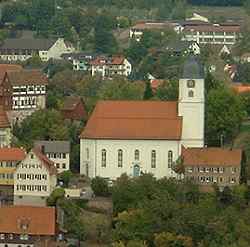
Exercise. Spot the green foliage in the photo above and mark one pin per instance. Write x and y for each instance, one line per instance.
(168, 91)
(100, 186)
(148, 93)
(224, 115)
(56, 195)
(66, 176)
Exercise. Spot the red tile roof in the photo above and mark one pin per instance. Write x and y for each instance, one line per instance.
(213, 28)
(38, 220)
(211, 156)
(115, 60)
(4, 122)
(156, 83)
(12, 154)
(152, 25)
(134, 120)
(48, 163)
(8, 67)
(239, 88)
(26, 77)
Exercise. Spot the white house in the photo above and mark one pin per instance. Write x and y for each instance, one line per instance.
(144, 136)
(24, 48)
(34, 179)
(110, 66)
(56, 151)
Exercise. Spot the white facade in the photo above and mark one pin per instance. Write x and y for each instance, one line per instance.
(33, 182)
(110, 158)
(61, 161)
(5, 137)
(106, 70)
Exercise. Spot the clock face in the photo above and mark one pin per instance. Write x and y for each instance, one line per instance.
(191, 83)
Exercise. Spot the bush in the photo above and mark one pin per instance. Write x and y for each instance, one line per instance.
(65, 177)
(100, 186)
(58, 193)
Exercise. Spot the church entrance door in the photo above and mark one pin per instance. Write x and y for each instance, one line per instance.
(136, 172)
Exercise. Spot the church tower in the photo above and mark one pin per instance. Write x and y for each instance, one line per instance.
(192, 103)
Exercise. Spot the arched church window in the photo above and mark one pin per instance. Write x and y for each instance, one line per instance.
(190, 93)
(190, 83)
(104, 157)
(170, 159)
(120, 158)
(137, 154)
(153, 159)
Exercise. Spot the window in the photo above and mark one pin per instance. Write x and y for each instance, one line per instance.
(137, 154)
(153, 159)
(64, 155)
(64, 166)
(190, 169)
(233, 180)
(191, 93)
(207, 169)
(222, 169)
(234, 169)
(57, 165)
(87, 153)
(104, 157)
(170, 159)
(2, 236)
(120, 158)
(190, 83)
(32, 156)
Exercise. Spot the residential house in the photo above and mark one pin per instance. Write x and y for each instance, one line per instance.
(21, 49)
(81, 61)
(212, 33)
(27, 92)
(56, 151)
(9, 158)
(208, 166)
(34, 179)
(74, 109)
(110, 66)
(24, 226)
(5, 129)
(144, 136)
(139, 28)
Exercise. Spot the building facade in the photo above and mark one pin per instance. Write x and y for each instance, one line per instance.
(24, 48)
(209, 166)
(5, 129)
(56, 151)
(111, 66)
(34, 179)
(144, 136)
(27, 93)
(24, 226)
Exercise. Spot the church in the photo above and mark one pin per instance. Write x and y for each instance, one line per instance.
(135, 137)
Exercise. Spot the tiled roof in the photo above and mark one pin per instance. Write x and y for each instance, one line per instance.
(27, 219)
(53, 146)
(211, 156)
(26, 77)
(70, 103)
(239, 88)
(134, 120)
(213, 28)
(48, 163)
(28, 44)
(8, 67)
(115, 60)
(156, 83)
(12, 154)
(152, 25)
(4, 122)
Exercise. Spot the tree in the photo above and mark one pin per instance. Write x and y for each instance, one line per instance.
(66, 176)
(168, 91)
(100, 186)
(55, 196)
(224, 115)
(148, 93)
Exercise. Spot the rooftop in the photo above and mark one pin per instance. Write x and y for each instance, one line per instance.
(8, 67)
(12, 154)
(70, 103)
(4, 122)
(28, 219)
(146, 120)
(53, 146)
(211, 156)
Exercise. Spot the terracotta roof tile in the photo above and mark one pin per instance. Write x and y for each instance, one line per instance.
(134, 120)
(241, 88)
(211, 156)
(4, 122)
(8, 67)
(27, 77)
(39, 220)
(101, 60)
(12, 154)
(156, 83)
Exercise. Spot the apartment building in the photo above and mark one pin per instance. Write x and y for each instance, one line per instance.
(212, 33)
(27, 93)
(21, 49)
(110, 66)
(208, 166)
(34, 179)
(56, 151)
(24, 226)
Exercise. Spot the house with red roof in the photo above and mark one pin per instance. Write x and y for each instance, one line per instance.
(34, 179)
(135, 137)
(110, 66)
(27, 225)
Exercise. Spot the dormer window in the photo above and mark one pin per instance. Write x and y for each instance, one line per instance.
(190, 83)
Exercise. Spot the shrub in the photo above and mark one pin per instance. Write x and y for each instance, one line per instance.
(100, 186)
